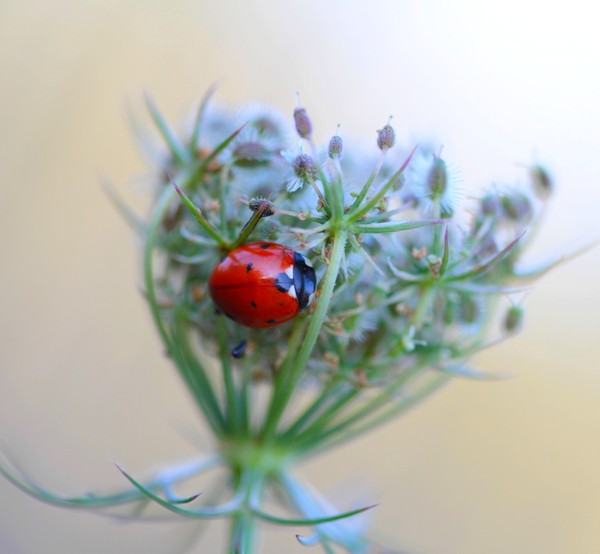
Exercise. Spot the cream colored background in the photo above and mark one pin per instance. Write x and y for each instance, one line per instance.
(495, 468)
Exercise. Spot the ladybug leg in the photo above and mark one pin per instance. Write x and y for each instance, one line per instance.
(239, 350)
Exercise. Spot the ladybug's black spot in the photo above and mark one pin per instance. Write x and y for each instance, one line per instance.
(264, 245)
(252, 303)
(271, 321)
(283, 282)
(239, 350)
(248, 267)
(305, 280)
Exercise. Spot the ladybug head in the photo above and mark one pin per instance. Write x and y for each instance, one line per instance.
(305, 280)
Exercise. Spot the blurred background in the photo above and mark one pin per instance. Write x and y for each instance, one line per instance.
(496, 467)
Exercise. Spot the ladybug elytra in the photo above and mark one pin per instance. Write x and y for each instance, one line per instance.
(262, 284)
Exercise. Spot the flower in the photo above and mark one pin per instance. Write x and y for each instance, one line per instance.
(304, 170)
(405, 297)
(433, 185)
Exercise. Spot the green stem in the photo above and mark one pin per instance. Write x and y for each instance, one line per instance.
(326, 415)
(188, 366)
(361, 195)
(243, 533)
(223, 193)
(158, 215)
(245, 400)
(310, 411)
(282, 377)
(436, 382)
(243, 537)
(201, 218)
(178, 150)
(393, 226)
(250, 225)
(437, 231)
(280, 400)
(231, 396)
(359, 212)
(196, 377)
(328, 200)
(315, 436)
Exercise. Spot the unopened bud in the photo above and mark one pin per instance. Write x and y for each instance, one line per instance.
(513, 320)
(468, 310)
(303, 123)
(490, 204)
(336, 146)
(542, 181)
(437, 177)
(386, 137)
(517, 207)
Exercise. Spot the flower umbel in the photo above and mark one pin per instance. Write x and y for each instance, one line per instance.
(405, 296)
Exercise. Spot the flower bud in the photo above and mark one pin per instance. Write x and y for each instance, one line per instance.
(336, 146)
(513, 320)
(517, 207)
(490, 204)
(303, 123)
(469, 310)
(304, 167)
(386, 137)
(542, 181)
(437, 177)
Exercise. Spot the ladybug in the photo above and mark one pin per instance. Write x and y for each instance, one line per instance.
(262, 284)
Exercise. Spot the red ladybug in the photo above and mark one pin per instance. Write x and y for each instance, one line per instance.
(262, 284)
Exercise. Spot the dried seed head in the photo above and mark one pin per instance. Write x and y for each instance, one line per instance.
(386, 137)
(336, 146)
(263, 205)
(304, 167)
(303, 123)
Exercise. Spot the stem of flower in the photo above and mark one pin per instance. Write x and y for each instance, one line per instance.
(282, 395)
(358, 211)
(328, 200)
(243, 524)
(325, 416)
(311, 410)
(369, 182)
(392, 411)
(230, 391)
(317, 434)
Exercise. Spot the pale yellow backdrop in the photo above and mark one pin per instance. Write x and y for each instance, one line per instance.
(482, 468)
